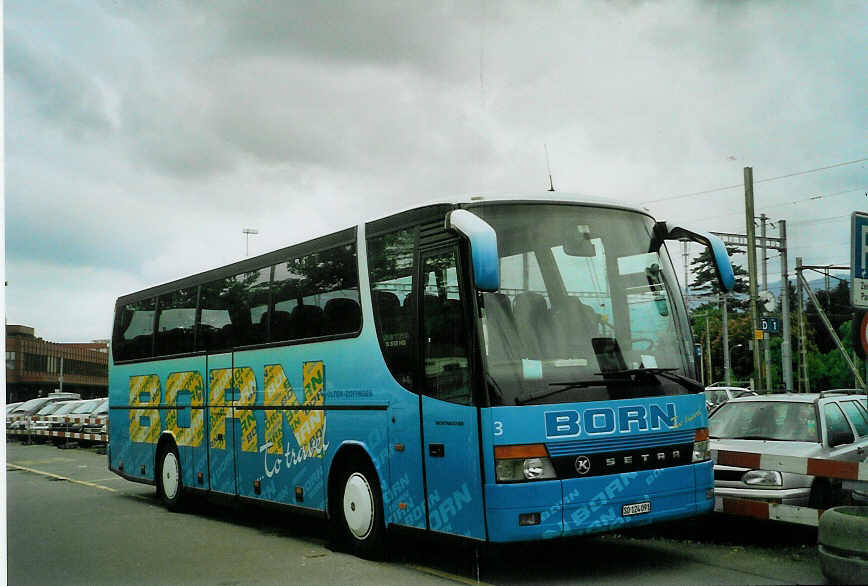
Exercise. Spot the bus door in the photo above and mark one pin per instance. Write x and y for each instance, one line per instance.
(450, 428)
(220, 426)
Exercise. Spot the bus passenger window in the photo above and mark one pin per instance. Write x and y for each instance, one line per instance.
(216, 331)
(134, 330)
(176, 317)
(444, 335)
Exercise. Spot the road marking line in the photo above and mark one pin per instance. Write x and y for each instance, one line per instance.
(49, 474)
(446, 575)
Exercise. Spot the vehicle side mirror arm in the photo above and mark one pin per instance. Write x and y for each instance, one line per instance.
(725, 276)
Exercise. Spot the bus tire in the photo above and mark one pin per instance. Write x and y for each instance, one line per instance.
(358, 520)
(842, 542)
(169, 486)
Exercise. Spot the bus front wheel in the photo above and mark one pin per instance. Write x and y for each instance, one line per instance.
(360, 512)
(169, 487)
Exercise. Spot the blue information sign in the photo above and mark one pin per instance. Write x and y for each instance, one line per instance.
(859, 260)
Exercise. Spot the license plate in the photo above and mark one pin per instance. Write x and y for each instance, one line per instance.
(636, 509)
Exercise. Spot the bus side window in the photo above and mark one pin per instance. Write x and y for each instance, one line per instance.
(176, 317)
(216, 332)
(134, 330)
(444, 334)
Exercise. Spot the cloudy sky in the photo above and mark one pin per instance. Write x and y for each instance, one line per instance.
(141, 137)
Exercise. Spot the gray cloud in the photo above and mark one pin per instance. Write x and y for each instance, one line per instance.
(423, 35)
(55, 87)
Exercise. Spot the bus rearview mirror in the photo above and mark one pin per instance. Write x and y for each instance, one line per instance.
(483, 247)
(722, 265)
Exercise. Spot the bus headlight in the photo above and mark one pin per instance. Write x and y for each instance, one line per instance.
(701, 451)
(523, 463)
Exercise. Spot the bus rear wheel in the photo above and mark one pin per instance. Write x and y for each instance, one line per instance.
(360, 512)
(169, 487)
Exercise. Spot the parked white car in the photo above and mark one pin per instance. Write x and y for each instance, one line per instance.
(717, 396)
(831, 425)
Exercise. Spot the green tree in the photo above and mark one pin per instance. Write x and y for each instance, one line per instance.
(705, 280)
(836, 305)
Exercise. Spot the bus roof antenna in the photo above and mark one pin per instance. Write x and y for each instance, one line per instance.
(549, 167)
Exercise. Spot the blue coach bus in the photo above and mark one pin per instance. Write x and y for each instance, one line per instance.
(496, 368)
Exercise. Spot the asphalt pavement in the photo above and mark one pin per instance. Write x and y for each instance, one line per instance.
(71, 521)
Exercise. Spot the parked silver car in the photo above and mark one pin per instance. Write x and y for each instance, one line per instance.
(39, 421)
(717, 396)
(831, 425)
(19, 417)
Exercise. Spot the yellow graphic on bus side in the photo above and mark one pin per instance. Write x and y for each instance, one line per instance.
(192, 383)
(277, 389)
(305, 424)
(217, 387)
(245, 381)
(144, 423)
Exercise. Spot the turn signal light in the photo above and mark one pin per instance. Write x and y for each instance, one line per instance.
(524, 451)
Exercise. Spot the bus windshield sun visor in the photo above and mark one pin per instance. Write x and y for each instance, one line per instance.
(483, 247)
(723, 268)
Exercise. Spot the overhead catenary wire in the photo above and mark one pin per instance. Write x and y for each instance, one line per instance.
(766, 180)
(811, 199)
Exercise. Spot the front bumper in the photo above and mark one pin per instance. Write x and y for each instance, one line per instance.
(786, 496)
(578, 506)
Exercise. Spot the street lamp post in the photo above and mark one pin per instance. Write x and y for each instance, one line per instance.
(247, 232)
(727, 366)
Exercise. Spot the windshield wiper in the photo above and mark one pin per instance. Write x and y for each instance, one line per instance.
(666, 373)
(564, 386)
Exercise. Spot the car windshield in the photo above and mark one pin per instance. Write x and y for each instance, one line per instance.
(29, 406)
(65, 408)
(48, 409)
(86, 407)
(583, 291)
(770, 420)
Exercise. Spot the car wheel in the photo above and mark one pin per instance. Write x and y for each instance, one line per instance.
(169, 486)
(842, 542)
(360, 512)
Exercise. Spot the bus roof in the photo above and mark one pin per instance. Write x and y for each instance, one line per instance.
(346, 235)
(517, 197)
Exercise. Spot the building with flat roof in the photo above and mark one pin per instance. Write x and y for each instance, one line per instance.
(33, 366)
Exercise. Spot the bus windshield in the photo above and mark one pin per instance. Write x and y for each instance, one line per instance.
(588, 309)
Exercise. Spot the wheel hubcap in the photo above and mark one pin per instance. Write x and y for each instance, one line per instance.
(170, 475)
(359, 506)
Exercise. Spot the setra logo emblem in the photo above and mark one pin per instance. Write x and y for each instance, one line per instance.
(583, 465)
